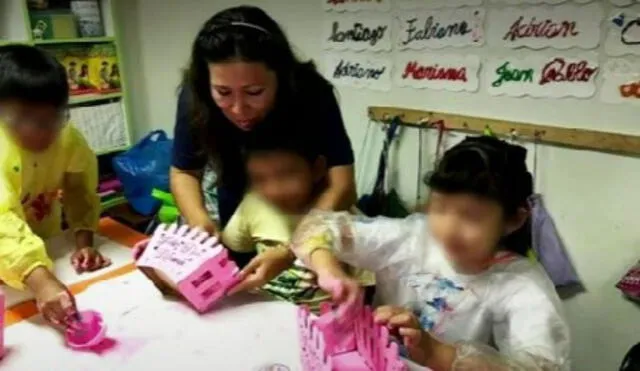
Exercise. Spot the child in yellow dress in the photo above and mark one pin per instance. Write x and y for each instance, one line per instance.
(44, 164)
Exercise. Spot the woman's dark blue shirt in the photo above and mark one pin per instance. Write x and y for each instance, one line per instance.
(328, 134)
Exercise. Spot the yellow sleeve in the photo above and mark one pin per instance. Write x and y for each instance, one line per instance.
(80, 195)
(21, 251)
(236, 234)
(255, 221)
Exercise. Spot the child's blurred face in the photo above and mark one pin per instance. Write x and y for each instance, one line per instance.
(285, 179)
(468, 227)
(34, 126)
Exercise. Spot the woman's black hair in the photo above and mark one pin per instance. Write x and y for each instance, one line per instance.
(32, 75)
(488, 167)
(245, 33)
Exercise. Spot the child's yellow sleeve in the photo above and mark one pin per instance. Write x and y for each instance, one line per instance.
(236, 235)
(21, 251)
(255, 221)
(80, 198)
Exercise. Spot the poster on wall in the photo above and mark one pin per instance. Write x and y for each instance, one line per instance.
(621, 82)
(624, 2)
(435, 4)
(543, 76)
(623, 32)
(358, 70)
(362, 31)
(537, 27)
(538, 2)
(437, 71)
(459, 27)
(356, 5)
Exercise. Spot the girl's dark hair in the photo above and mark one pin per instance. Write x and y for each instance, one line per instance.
(245, 33)
(488, 167)
(32, 75)
(292, 139)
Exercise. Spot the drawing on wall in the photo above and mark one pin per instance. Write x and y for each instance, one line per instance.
(370, 31)
(537, 2)
(436, 29)
(559, 27)
(354, 6)
(437, 71)
(543, 76)
(435, 4)
(624, 2)
(623, 36)
(358, 70)
(621, 81)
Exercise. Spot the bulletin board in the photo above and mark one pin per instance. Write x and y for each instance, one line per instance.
(556, 53)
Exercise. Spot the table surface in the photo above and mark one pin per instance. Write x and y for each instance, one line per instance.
(147, 331)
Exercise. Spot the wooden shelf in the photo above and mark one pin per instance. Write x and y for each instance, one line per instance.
(80, 40)
(88, 98)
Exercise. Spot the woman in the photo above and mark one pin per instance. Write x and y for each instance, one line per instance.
(243, 74)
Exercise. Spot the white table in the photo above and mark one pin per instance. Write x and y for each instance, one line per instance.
(246, 333)
(60, 249)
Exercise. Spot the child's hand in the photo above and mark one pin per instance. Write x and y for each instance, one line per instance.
(344, 290)
(263, 268)
(138, 249)
(88, 259)
(404, 323)
(54, 301)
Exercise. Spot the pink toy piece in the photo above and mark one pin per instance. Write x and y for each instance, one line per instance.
(1, 323)
(191, 262)
(90, 331)
(357, 345)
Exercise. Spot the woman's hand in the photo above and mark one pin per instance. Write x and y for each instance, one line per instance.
(404, 323)
(55, 302)
(88, 259)
(263, 268)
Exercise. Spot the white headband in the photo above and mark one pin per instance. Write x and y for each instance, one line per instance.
(250, 25)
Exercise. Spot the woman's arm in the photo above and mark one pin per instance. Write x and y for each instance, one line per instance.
(186, 170)
(341, 192)
(186, 189)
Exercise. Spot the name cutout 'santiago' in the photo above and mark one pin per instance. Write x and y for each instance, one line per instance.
(358, 31)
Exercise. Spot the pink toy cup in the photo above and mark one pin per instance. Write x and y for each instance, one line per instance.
(89, 332)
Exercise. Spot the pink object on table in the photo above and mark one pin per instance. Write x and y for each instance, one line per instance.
(191, 262)
(360, 344)
(2, 309)
(630, 283)
(90, 331)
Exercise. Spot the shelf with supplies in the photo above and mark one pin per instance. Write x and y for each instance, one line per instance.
(83, 35)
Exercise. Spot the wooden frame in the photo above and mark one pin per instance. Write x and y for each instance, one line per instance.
(574, 138)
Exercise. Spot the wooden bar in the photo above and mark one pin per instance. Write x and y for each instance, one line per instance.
(574, 138)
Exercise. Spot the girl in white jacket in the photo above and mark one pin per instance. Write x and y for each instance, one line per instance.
(453, 283)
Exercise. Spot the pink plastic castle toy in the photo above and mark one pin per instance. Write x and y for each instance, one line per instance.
(355, 345)
(191, 262)
(1, 323)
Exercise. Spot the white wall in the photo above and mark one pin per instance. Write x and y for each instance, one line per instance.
(594, 197)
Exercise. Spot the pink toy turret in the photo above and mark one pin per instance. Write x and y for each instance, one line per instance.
(2, 309)
(191, 262)
(355, 345)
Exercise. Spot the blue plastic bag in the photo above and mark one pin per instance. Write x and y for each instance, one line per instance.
(144, 167)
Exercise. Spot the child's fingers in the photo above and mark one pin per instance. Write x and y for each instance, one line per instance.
(385, 313)
(404, 319)
(410, 336)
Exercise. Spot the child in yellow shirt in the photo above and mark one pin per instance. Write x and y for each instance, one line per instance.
(44, 164)
(285, 175)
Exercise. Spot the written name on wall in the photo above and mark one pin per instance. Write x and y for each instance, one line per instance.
(542, 76)
(370, 32)
(440, 28)
(437, 71)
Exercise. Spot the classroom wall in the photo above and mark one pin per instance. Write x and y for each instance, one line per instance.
(594, 197)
